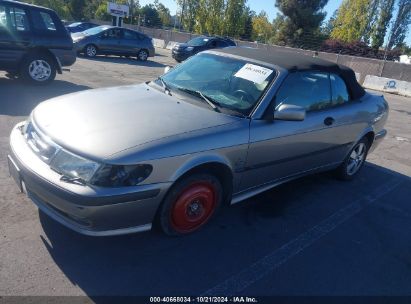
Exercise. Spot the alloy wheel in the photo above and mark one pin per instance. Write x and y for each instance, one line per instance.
(356, 159)
(91, 51)
(40, 70)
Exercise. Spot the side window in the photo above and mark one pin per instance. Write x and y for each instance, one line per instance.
(222, 44)
(18, 20)
(3, 18)
(43, 21)
(113, 33)
(310, 90)
(130, 35)
(48, 21)
(339, 90)
(212, 44)
(141, 36)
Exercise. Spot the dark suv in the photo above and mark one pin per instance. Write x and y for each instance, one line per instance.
(34, 44)
(182, 51)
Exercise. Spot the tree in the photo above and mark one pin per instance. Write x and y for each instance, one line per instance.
(371, 20)
(101, 12)
(328, 27)
(262, 28)
(247, 23)
(404, 49)
(232, 20)
(302, 17)
(380, 29)
(59, 6)
(163, 12)
(189, 9)
(215, 19)
(351, 21)
(76, 8)
(150, 16)
(401, 24)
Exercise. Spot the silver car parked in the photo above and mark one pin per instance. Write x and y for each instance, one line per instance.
(221, 127)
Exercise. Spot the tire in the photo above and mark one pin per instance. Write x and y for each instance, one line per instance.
(354, 161)
(38, 69)
(190, 204)
(90, 51)
(142, 55)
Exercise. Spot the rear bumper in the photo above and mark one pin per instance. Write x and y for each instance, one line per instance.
(65, 57)
(90, 211)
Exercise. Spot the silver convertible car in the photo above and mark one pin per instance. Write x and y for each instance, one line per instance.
(221, 127)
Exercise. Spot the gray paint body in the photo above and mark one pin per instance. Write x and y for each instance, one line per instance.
(142, 125)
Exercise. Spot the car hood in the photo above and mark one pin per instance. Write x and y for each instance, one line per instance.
(99, 123)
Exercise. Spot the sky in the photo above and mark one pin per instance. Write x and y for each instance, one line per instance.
(266, 5)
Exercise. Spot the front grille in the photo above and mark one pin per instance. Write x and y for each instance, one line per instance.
(39, 143)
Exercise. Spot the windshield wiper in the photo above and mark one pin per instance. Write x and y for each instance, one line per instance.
(213, 104)
(165, 86)
(72, 180)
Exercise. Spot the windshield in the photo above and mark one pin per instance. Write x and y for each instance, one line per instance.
(231, 83)
(95, 30)
(199, 41)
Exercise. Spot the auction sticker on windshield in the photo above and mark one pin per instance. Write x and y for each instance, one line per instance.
(254, 73)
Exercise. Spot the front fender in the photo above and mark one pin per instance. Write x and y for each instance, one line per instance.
(200, 160)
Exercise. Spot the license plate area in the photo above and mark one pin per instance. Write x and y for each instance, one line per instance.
(15, 172)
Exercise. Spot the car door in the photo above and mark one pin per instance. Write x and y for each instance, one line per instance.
(15, 36)
(131, 42)
(212, 44)
(109, 41)
(281, 149)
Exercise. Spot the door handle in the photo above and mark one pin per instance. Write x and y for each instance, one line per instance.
(329, 121)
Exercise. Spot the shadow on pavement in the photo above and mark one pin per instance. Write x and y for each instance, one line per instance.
(19, 99)
(127, 60)
(152, 264)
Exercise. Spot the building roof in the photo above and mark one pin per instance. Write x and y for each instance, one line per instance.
(292, 61)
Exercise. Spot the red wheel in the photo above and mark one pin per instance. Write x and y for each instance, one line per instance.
(190, 204)
(193, 207)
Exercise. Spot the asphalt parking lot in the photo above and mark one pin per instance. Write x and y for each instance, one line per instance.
(313, 236)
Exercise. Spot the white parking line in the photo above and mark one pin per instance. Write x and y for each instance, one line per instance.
(270, 262)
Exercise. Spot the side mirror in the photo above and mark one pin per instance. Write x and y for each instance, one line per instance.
(289, 112)
(167, 69)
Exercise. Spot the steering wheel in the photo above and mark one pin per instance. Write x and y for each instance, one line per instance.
(244, 96)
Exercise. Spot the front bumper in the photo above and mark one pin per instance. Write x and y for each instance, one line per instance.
(88, 210)
(151, 52)
(180, 56)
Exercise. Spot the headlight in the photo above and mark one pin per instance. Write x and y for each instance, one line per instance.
(190, 48)
(74, 166)
(121, 176)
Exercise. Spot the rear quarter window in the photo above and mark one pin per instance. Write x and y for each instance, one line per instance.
(45, 21)
(339, 90)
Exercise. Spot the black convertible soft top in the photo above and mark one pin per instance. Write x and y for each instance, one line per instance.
(292, 61)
